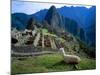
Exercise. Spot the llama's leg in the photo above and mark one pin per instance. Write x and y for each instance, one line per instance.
(76, 67)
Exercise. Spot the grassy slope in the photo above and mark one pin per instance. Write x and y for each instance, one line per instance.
(48, 63)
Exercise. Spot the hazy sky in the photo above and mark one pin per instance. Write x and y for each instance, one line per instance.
(31, 7)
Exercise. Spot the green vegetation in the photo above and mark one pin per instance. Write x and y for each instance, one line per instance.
(47, 63)
(61, 39)
(87, 63)
(45, 32)
(90, 51)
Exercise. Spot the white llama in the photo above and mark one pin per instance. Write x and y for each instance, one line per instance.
(70, 59)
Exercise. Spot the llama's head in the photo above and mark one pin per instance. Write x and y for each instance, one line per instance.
(62, 50)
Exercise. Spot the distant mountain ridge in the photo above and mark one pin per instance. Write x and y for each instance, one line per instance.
(75, 13)
(19, 20)
(79, 14)
(72, 19)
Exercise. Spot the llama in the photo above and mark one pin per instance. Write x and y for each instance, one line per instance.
(70, 59)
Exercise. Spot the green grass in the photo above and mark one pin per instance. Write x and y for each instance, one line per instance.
(48, 63)
(87, 63)
(61, 39)
(45, 32)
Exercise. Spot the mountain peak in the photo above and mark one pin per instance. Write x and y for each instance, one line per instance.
(50, 14)
(53, 9)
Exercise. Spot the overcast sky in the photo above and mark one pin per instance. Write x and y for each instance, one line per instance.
(32, 7)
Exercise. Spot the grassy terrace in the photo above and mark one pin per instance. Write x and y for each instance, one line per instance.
(45, 32)
(47, 63)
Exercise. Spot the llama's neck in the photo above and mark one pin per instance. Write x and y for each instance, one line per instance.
(62, 51)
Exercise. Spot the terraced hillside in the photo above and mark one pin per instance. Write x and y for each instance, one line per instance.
(39, 40)
(37, 50)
